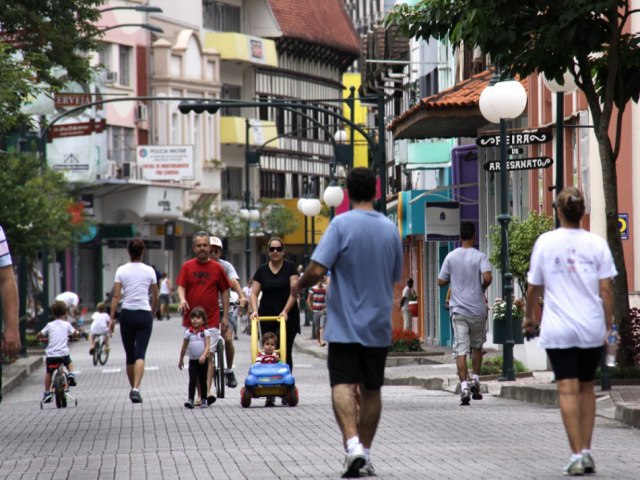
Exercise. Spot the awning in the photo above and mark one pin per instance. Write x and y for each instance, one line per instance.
(451, 113)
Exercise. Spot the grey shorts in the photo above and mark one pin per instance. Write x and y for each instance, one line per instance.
(469, 333)
(320, 318)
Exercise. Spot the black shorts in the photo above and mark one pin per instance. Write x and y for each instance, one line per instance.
(66, 360)
(580, 363)
(352, 363)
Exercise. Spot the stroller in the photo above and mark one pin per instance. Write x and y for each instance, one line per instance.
(269, 380)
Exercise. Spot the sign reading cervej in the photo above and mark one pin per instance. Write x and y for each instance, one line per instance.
(522, 137)
(520, 164)
(442, 221)
(165, 162)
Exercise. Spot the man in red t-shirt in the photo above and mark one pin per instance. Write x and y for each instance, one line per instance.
(200, 282)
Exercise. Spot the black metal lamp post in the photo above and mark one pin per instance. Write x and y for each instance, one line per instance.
(568, 85)
(498, 102)
(309, 205)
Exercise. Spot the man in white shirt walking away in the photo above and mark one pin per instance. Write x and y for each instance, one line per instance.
(469, 272)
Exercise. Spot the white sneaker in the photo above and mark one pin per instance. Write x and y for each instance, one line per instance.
(354, 461)
(368, 470)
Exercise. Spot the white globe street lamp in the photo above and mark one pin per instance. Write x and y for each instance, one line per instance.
(509, 99)
(498, 102)
(340, 136)
(568, 83)
(486, 104)
(311, 207)
(333, 196)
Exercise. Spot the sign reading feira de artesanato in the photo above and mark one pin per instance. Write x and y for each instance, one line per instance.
(530, 163)
(165, 162)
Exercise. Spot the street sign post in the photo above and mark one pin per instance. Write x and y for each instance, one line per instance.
(515, 151)
(521, 137)
(530, 163)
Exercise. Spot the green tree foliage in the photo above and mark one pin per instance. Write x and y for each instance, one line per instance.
(38, 38)
(591, 39)
(34, 206)
(522, 237)
(228, 223)
(276, 220)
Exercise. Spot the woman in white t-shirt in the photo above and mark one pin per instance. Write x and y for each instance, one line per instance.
(575, 268)
(134, 281)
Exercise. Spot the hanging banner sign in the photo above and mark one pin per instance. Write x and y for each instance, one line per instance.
(442, 221)
(520, 164)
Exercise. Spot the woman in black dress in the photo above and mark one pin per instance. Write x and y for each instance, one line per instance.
(275, 279)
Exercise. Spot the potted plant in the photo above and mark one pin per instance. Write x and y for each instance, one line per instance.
(500, 320)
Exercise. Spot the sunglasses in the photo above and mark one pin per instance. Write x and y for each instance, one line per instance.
(276, 249)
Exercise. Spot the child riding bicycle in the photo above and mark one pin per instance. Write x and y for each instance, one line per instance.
(99, 326)
(57, 331)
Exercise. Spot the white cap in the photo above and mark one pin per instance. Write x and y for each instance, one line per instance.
(215, 242)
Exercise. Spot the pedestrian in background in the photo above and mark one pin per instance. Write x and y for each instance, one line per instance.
(239, 300)
(574, 268)
(200, 282)
(73, 301)
(274, 280)
(469, 273)
(359, 304)
(9, 297)
(134, 281)
(318, 300)
(165, 296)
(57, 332)
(408, 294)
(197, 344)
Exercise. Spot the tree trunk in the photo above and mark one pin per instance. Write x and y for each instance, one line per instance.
(620, 285)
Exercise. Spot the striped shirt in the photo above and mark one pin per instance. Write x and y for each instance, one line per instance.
(5, 256)
(318, 298)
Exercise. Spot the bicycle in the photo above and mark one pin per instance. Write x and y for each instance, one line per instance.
(100, 350)
(219, 367)
(60, 386)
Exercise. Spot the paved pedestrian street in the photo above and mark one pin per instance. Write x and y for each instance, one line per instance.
(422, 435)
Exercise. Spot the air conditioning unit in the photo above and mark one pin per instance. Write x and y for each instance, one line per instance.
(110, 77)
(112, 168)
(142, 113)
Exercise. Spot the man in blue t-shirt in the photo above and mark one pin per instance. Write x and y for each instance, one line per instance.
(364, 252)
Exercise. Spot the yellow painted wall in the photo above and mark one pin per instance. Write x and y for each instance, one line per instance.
(361, 149)
(237, 46)
(297, 237)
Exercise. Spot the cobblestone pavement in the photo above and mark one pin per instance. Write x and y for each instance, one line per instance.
(423, 434)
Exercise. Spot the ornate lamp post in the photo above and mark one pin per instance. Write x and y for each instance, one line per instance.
(498, 102)
(333, 194)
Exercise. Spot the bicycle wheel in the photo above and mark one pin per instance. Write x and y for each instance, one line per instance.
(103, 356)
(96, 352)
(58, 390)
(219, 371)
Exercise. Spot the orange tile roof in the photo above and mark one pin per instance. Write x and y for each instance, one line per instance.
(324, 22)
(462, 95)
